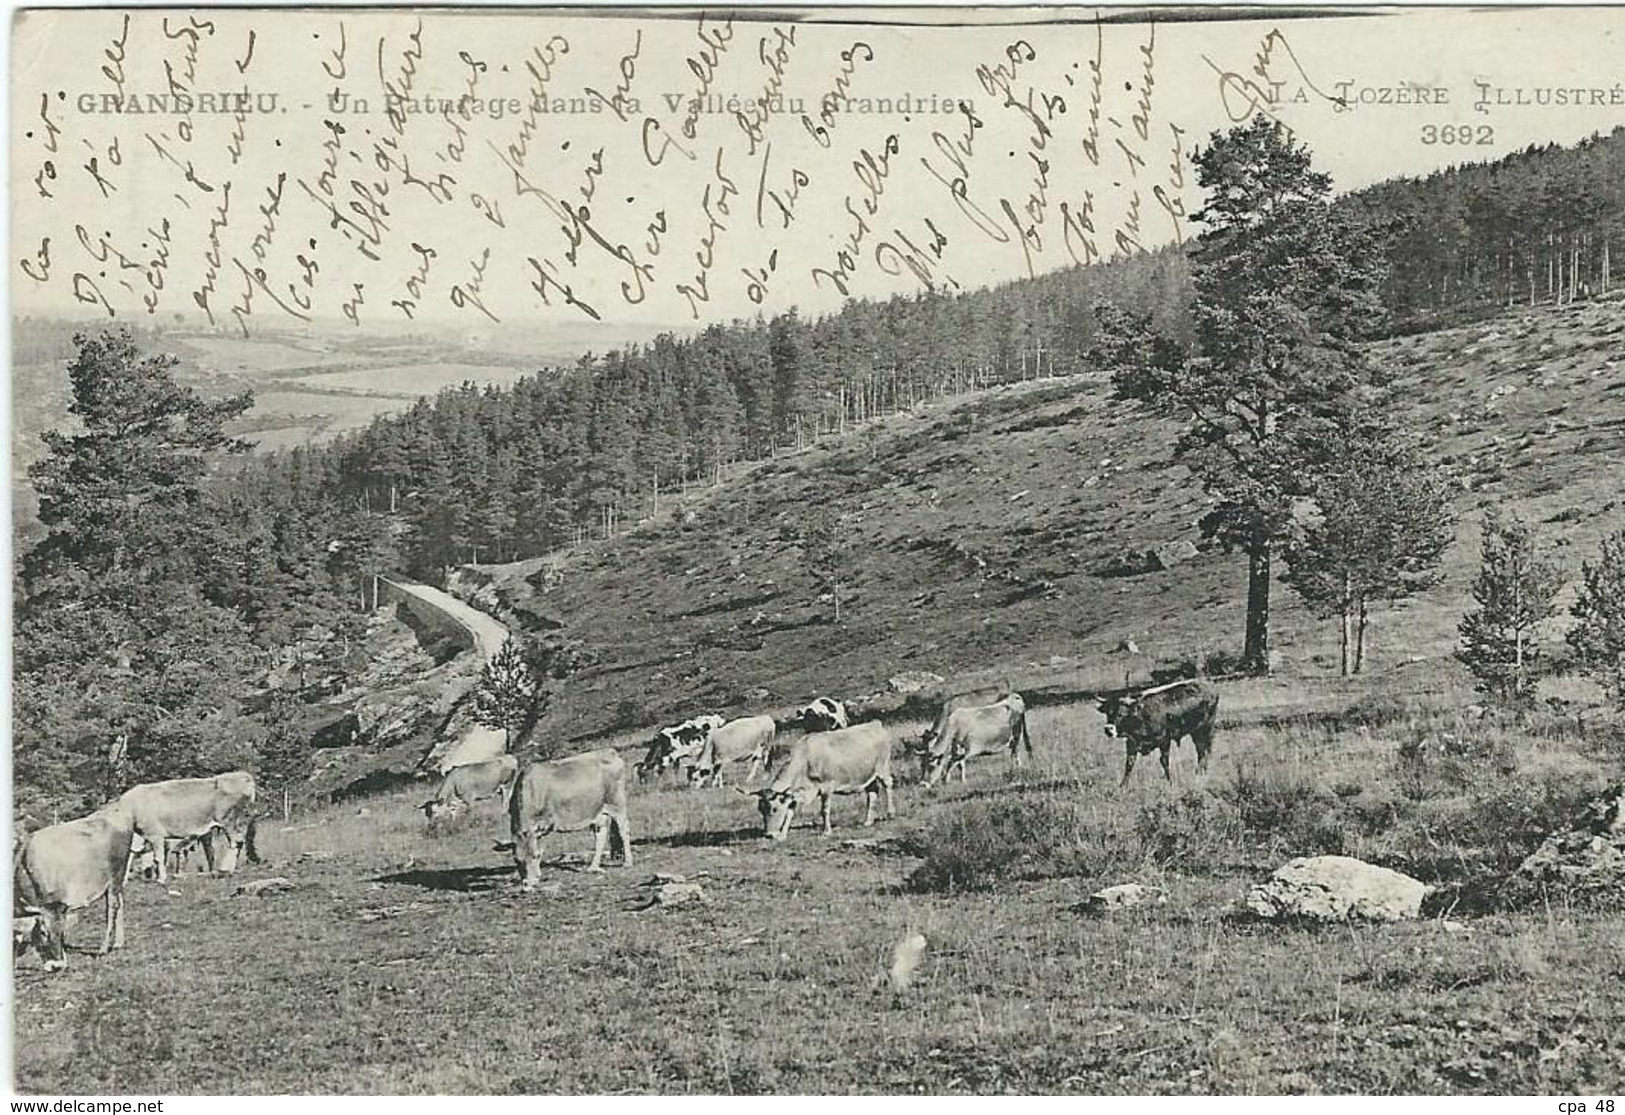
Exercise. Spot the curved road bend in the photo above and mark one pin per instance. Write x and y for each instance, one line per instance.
(478, 743)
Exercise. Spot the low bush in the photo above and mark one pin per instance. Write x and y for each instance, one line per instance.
(1190, 831)
(1470, 841)
(980, 844)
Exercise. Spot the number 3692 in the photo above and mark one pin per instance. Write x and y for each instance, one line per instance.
(1459, 135)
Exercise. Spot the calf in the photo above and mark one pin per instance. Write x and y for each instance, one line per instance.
(183, 807)
(582, 791)
(749, 737)
(973, 730)
(1156, 719)
(471, 782)
(66, 867)
(826, 763)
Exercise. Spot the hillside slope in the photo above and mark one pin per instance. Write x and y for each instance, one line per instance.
(1005, 533)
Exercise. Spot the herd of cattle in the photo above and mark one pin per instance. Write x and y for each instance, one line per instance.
(811, 755)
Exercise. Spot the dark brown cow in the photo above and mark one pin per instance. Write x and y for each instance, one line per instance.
(1156, 719)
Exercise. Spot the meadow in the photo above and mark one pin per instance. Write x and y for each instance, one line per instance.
(406, 960)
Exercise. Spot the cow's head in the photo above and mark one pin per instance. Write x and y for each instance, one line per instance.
(777, 809)
(27, 929)
(920, 749)
(1116, 710)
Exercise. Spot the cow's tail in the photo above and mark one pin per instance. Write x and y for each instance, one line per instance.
(1026, 740)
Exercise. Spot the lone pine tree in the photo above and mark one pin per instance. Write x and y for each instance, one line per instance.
(1284, 287)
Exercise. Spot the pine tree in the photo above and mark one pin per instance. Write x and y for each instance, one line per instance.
(1284, 286)
(825, 553)
(1599, 637)
(505, 696)
(1516, 591)
(116, 631)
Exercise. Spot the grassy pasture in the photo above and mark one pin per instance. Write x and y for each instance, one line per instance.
(408, 962)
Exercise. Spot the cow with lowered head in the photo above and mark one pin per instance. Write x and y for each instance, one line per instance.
(850, 760)
(1156, 719)
(64, 868)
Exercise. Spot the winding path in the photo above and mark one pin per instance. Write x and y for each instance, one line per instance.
(486, 635)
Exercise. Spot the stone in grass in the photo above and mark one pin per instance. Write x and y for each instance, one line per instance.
(1123, 896)
(262, 887)
(1336, 888)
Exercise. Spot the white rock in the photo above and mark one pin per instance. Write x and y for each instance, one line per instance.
(1332, 888)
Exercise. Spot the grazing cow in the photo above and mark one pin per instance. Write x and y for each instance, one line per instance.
(987, 695)
(582, 791)
(825, 714)
(1156, 719)
(676, 744)
(976, 730)
(749, 737)
(466, 784)
(66, 867)
(827, 763)
(183, 807)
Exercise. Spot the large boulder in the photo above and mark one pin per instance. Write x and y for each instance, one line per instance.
(1585, 860)
(1334, 888)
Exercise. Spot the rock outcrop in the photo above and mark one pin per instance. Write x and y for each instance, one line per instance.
(913, 681)
(1585, 860)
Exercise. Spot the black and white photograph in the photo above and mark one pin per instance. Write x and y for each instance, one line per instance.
(817, 551)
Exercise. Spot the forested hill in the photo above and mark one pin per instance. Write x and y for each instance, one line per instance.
(1541, 225)
(485, 475)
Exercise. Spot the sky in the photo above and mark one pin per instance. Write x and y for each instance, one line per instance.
(487, 170)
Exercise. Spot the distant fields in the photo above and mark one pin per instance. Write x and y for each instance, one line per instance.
(306, 388)
(416, 379)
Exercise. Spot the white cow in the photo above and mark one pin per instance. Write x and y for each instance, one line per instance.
(976, 730)
(66, 867)
(749, 737)
(582, 791)
(186, 807)
(465, 785)
(826, 763)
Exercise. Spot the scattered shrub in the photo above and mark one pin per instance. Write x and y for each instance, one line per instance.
(1189, 832)
(1470, 841)
(977, 845)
